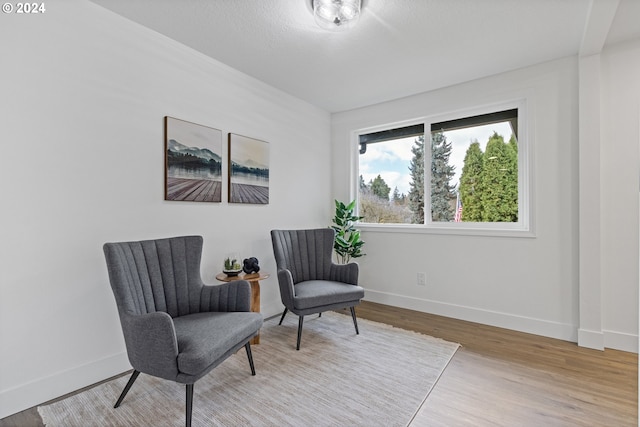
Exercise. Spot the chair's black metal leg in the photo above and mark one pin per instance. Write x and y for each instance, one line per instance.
(284, 313)
(247, 347)
(300, 320)
(355, 321)
(189, 404)
(132, 379)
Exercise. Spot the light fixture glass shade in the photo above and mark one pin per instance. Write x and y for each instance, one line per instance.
(336, 15)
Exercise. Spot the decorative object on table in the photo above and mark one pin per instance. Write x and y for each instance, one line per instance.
(347, 243)
(250, 265)
(248, 170)
(193, 162)
(232, 265)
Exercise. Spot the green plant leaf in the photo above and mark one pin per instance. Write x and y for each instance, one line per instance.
(348, 241)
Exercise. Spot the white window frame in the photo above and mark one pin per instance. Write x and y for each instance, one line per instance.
(525, 225)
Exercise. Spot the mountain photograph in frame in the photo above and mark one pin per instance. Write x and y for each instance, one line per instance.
(248, 170)
(193, 162)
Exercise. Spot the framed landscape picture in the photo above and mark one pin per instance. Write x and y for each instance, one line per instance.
(248, 170)
(193, 162)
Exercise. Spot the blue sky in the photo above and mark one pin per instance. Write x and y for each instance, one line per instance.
(391, 159)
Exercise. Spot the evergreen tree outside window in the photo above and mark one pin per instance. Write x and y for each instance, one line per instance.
(488, 183)
(443, 194)
(380, 188)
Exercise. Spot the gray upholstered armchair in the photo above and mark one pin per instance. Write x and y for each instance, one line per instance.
(174, 326)
(309, 280)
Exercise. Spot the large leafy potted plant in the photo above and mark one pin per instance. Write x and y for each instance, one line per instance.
(348, 243)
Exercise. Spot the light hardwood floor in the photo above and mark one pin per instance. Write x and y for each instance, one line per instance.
(501, 377)
(504, 378)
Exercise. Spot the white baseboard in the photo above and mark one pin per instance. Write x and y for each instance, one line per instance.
(591, 339)
(621, 341)
(563, 331)
(58, 384)
(529, 325)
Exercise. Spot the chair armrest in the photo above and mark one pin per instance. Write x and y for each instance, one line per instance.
(151, 342)
(287, 291)
(227, 296)
(346, 273)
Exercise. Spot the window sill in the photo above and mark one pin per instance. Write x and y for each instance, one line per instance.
(486, 230)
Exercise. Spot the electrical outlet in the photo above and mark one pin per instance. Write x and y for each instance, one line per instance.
(422, 279)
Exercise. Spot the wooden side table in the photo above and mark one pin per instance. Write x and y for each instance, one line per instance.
(254, 280)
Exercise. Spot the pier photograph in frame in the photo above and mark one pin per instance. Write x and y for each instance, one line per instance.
(193, 162)
(248, 170)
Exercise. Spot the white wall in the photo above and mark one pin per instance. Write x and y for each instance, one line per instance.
(83, 98)
(526, 284)
(620, 178)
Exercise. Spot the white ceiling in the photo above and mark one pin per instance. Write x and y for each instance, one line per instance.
(399, 47)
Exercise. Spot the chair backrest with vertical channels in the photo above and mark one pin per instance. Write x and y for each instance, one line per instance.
(305, 253)
(156, 275)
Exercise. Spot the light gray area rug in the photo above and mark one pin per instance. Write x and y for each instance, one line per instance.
(378, 378)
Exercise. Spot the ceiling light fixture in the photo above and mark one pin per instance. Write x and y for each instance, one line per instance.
(336, 15)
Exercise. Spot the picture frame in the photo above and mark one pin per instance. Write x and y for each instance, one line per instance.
(193, 162)
(248, 161)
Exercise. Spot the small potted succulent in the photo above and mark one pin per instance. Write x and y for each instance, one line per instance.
(232, 265)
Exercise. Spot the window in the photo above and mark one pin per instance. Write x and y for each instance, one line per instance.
(476, 172)
(385, 182)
